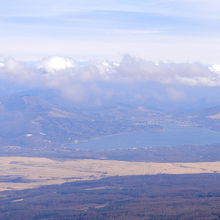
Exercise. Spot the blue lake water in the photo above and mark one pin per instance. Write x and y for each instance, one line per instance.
(169, 136)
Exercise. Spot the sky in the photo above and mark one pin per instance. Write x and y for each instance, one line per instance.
(156, 30)
(100, 50)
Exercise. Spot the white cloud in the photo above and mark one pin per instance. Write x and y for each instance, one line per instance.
(95, 81)
(191, 74)
(215, 68)
(57, 71)
(2, 65)
(19, 72)
(56, 63)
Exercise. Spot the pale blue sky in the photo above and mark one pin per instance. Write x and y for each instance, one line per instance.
(172, 30)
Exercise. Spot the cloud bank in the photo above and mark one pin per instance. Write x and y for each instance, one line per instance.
(56, 70)
(97, 81)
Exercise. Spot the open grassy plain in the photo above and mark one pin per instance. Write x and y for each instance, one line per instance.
(30, 172)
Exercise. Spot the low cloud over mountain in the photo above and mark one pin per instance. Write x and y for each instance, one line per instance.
(131, 78)
(127, 68)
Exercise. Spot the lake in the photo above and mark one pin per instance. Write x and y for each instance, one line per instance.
(168, 136)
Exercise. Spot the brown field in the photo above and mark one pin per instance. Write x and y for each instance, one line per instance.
(29, 172)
